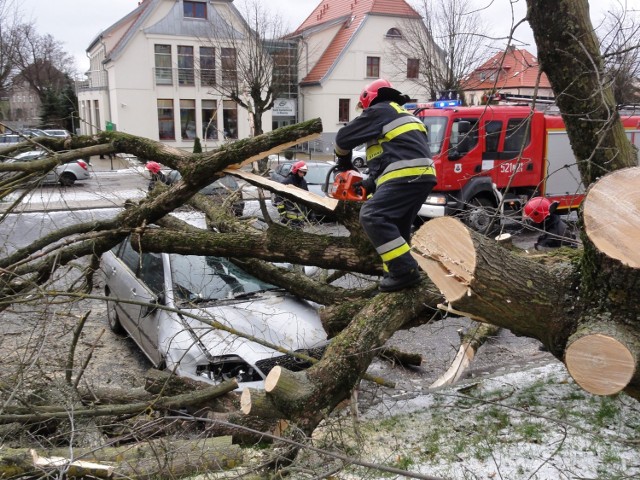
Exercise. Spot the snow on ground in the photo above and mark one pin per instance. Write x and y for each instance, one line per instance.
(530, 424)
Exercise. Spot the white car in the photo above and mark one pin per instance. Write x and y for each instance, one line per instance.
(188, 314)
(58, 133)
(359, 156)
(66, 174)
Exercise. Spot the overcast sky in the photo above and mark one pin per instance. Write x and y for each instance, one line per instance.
(76, 23)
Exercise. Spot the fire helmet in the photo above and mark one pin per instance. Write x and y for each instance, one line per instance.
(299, 166)
(373, 90)
(539, 208)
(153, 167)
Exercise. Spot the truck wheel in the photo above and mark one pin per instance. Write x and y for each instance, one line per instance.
(67, 179)
(480, 215)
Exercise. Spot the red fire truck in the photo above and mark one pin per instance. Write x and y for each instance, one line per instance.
(499, 156)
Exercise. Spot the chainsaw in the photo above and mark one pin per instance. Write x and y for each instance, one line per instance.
(343, 187)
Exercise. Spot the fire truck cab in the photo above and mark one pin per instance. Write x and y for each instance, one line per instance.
(500, 155)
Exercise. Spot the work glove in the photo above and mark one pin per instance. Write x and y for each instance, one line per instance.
(344, 162)
(368, 184)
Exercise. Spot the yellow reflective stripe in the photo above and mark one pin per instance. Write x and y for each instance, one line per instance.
(405, 172)
(395, 253)
(387, 247)
(385, 267)
(408, 127)
(399, 108)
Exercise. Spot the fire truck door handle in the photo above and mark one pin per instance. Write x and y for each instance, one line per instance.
(530, 167)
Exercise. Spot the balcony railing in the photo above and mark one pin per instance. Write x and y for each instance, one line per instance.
(96, 79)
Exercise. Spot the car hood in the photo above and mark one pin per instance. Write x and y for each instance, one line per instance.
(274, 317)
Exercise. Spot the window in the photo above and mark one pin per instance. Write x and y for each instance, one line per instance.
(517, 136)
(493, 129)
(373, 67)
(413, 67)
(470, 139)
(343, 110)
(96, 107)
(230, 119)
(210, 119)
(185, 65)
(194, 9)
(166, 126)
(207, 66)
(228, 60)
(163, 64)
(188, 119)
(394, 33)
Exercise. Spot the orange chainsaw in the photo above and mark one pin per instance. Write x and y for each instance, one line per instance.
(343, 187)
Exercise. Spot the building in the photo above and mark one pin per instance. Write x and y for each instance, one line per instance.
(150, 73)
(513, 72)
(24, 105)
(345, 44)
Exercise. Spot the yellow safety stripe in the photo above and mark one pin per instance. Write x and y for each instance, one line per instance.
(387, 247)
(395, 253)
(405, 172)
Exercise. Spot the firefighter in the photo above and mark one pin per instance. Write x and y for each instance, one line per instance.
(401, 176)
(541, 212)
(290, 212)
(156, 174)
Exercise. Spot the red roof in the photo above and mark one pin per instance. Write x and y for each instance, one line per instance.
(351, 13)
(512, 68)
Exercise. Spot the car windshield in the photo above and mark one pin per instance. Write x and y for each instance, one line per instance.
(199, 278)
(436, 127)
(317, 174)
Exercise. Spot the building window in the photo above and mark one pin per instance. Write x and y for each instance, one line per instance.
(194, 9)
(343, 110)
(188, 119)
(230, 119)
(229, 67)
(207, 66)
(394, 33)
(163, 64)
(413, 67)
(373, 67)
(185, 65)
(166, 126)
(210, 119)
(96, 107)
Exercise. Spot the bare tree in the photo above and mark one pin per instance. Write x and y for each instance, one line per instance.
(450, 43)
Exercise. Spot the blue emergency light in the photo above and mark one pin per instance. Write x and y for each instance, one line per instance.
(447, 103)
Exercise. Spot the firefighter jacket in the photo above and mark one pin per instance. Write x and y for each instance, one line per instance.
(289, 209)
(397, 144)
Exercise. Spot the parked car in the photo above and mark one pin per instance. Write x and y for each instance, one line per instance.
(359, 156)
(59, 133)
(34, 132)
(316, 176)
(218, 190)
(10, 138)
(208, 299)
(66, 174)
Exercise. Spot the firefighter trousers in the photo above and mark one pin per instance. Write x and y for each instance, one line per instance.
(387, 218)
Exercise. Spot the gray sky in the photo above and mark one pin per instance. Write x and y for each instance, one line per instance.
(76, 23)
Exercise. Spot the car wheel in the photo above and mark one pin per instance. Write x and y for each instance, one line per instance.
(112, 317)
(480, 215)
(67, 179)
(358, 162)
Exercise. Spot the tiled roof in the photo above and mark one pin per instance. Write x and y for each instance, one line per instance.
(515, 68)
(352, 13)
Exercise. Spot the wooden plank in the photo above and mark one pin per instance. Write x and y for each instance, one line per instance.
(290, 190)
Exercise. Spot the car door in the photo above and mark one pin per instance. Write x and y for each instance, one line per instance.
(138, 280)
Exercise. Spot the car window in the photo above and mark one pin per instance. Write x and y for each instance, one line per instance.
(152, 272)
(129, 255)
(317, 174)
(197, 278)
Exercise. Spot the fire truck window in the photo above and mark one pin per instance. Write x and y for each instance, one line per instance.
(518, 136)
(470, 139)
(493, 130)
(435, 131)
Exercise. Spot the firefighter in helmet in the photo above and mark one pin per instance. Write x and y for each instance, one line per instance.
(541, 212)
(156, 174)
(290, 212)
(401, 176)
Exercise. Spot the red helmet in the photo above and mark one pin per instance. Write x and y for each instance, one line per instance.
(539, 208)
(370, 92)
(153, 167)
(299, 166)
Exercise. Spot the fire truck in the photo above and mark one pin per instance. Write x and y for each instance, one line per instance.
(494, 157)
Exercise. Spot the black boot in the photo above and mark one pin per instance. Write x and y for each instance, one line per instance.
(392, 283)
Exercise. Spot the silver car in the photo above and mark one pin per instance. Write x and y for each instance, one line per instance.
(65, 174)
(205, 318)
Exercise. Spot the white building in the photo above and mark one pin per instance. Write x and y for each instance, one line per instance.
(148, 71)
